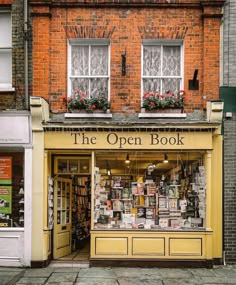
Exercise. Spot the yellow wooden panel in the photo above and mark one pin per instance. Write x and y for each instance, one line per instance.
(63, 239)
(185, 246)
(148, 246)
(111, 246)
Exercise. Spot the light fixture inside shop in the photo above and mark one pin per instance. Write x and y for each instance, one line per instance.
(127, 161)
(108, 172)
(165, 158)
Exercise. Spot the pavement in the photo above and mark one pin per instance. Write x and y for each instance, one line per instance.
(218, 275)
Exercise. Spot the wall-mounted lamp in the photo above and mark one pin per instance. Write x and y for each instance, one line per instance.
(194, 83)
(127, 161)
(165, 158)
(108, 172)
(123, 64)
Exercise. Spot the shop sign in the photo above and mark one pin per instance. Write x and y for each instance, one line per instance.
(5, 199)
(129, 140)
(5, 169)
(14, 129)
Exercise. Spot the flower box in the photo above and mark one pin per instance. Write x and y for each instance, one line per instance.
(164, 110)
(80, 103)
(153, 101)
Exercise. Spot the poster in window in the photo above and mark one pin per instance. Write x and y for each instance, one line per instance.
(5, 170)
(5, 199)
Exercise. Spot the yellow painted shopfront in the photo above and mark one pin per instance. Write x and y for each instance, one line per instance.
(150, 195)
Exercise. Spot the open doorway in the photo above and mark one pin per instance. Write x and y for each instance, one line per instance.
(72, 208)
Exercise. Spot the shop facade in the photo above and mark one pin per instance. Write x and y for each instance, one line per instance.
(160, 213)
(15, 189)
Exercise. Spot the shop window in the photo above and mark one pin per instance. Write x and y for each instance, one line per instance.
(152, 191)
(162, 68)
(5, 51)
(88, 68)
(69, 165)
(11, 189)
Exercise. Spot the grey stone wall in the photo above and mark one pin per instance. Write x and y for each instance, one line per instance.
(230, 189)
(229, 80)
(229, 44)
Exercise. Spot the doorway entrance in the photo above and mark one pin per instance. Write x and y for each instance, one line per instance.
(72, 209)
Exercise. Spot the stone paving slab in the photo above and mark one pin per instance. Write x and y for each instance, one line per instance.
(203, 272)
(173, 281)
(142, 281)
(4, 280)
(218, 280)
(146, 273)
(8, 269)
(97, 272)
(38, 272)
(62, 277)
(97, 281)
(31, 281)
(175, 273)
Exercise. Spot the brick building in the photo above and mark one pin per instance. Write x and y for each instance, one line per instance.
(100, 178)
(15, 137)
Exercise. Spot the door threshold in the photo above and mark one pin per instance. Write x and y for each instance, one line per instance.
(68, 264)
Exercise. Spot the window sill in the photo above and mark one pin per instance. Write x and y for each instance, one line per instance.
(87, 115)
(5, 90)
(162, 115)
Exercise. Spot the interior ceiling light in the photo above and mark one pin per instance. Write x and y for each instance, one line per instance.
(165, 158)
(151, 167)
(127, 159)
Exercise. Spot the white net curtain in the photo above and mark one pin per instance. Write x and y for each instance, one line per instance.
(161, 68)
(89, 69)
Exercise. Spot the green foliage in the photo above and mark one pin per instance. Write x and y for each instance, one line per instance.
(80, 101)
(155, 100)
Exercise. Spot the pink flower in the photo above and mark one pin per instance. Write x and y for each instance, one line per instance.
(93, 107)
(152, 104)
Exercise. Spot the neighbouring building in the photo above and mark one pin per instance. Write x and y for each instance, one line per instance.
(15, 136)
(127, 132)
(228, 95)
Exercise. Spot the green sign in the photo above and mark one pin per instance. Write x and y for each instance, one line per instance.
(5, 199)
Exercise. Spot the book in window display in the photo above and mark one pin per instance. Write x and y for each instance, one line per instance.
(168, 203)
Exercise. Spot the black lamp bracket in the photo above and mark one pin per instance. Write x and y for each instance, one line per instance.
(194, 83)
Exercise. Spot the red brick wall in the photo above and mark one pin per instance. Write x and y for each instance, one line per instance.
(197, 25)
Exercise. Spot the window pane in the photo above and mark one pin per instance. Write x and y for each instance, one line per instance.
(151, 85)
(81, 84)
(171, 85)
(5, 63)
(171, 61)
(99, 86)
(152, 61)
(99, 60)
(79, 60)
(5, 30)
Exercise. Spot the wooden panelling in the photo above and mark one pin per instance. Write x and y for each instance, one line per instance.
(111, 246)
(148, 246)
(185, 247)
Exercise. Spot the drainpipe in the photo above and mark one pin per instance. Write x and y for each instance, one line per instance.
(26, 54)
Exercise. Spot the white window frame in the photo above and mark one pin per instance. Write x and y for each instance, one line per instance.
(162, 43)
(7, 86)
(87, 42)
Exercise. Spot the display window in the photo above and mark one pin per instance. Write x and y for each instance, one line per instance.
(11, 189)
(149, 190)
